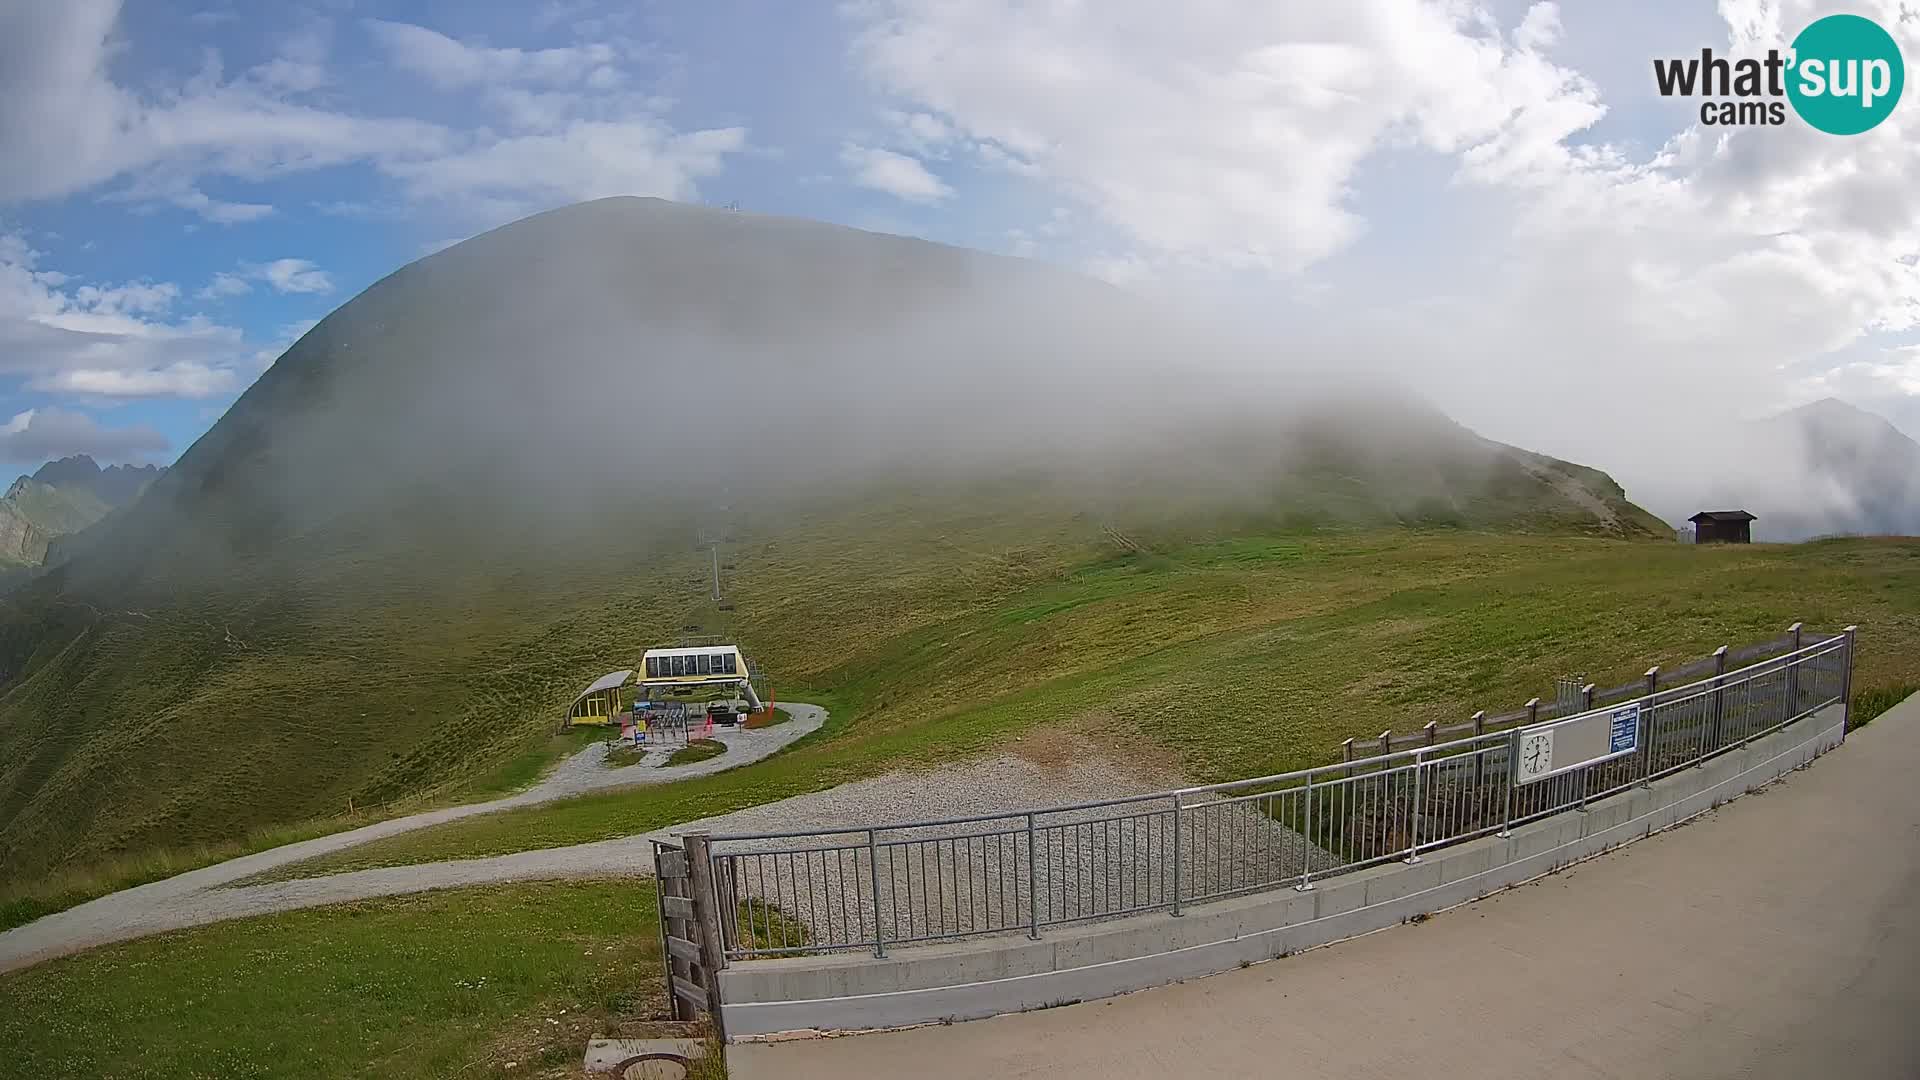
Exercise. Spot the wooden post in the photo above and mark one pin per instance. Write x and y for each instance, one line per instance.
(1586, 698)
(1433, 732)
(1346, 754)
(1533, 710)
(1386, 746)
(666, 885)
(706, 918)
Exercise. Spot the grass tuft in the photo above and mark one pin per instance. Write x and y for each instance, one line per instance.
(700, 750)
(624, 755)
(1869, 704)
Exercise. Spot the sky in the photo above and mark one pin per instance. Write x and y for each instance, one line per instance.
(1489, 202)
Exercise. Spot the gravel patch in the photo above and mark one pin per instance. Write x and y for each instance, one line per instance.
(977, 876)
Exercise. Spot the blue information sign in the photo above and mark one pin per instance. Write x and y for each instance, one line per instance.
(1625, 733)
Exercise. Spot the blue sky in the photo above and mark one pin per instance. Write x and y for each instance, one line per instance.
(1489, 201)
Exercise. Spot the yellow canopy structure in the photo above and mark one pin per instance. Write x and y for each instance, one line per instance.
(598, 703)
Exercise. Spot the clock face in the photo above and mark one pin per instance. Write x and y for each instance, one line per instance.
(1536, 754)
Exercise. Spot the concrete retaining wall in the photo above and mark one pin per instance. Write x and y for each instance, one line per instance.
(984, 977)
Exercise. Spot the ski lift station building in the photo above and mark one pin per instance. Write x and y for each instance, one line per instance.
(666, 669)
(697, 666)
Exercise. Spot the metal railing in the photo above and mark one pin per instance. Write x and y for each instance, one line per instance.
(875, 887)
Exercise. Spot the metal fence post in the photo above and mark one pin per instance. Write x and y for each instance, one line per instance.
(1479, 752)
(1793, 673)
(1646, 732)
(1413, 851)
(1306, 856)
(1513, 778)
(1176, 853)
(873, 870)
(1719, 702)
(1033, 885)
(1846, 677)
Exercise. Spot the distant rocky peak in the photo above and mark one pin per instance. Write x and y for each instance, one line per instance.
(114, 485)
(79, 470)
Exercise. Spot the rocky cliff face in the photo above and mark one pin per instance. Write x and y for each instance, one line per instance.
(21, 541)
(62, 498)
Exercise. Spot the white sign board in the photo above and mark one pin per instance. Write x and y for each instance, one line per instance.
(1536, 755)
(1576, 742)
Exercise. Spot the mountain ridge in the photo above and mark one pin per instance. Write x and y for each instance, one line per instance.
(485, 475)
(61, 498)
(1857, 474)
(115, 485)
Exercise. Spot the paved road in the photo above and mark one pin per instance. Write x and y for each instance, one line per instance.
(198, 896)
(1777, 937)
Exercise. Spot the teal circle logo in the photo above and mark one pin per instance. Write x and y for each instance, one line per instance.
(1846, 74)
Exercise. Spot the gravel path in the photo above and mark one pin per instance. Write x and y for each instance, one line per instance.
(1080, 863)
(976, 876)
(196, 897)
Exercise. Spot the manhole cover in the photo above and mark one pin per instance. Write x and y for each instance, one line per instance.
(654, 1067)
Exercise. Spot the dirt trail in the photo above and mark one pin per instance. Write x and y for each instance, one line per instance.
(1043, 769)
(197, 896)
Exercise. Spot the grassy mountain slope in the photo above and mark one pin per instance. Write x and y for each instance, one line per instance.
(56, 510)
(1258, 654)
(381, 575)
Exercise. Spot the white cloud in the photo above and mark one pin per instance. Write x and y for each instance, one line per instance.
(219, 211)
(224, 285)
(573, 129)
(61, 335)
(569, 123)
(921, 133)
(45, 433)
(895, 174)
(1599, 301)
(453, 65)
(185, 379)
(143, 297)
(155, 189)
(295, 276)
(281, 275)
(1234, 138)
(585, 160)
(66, 126)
